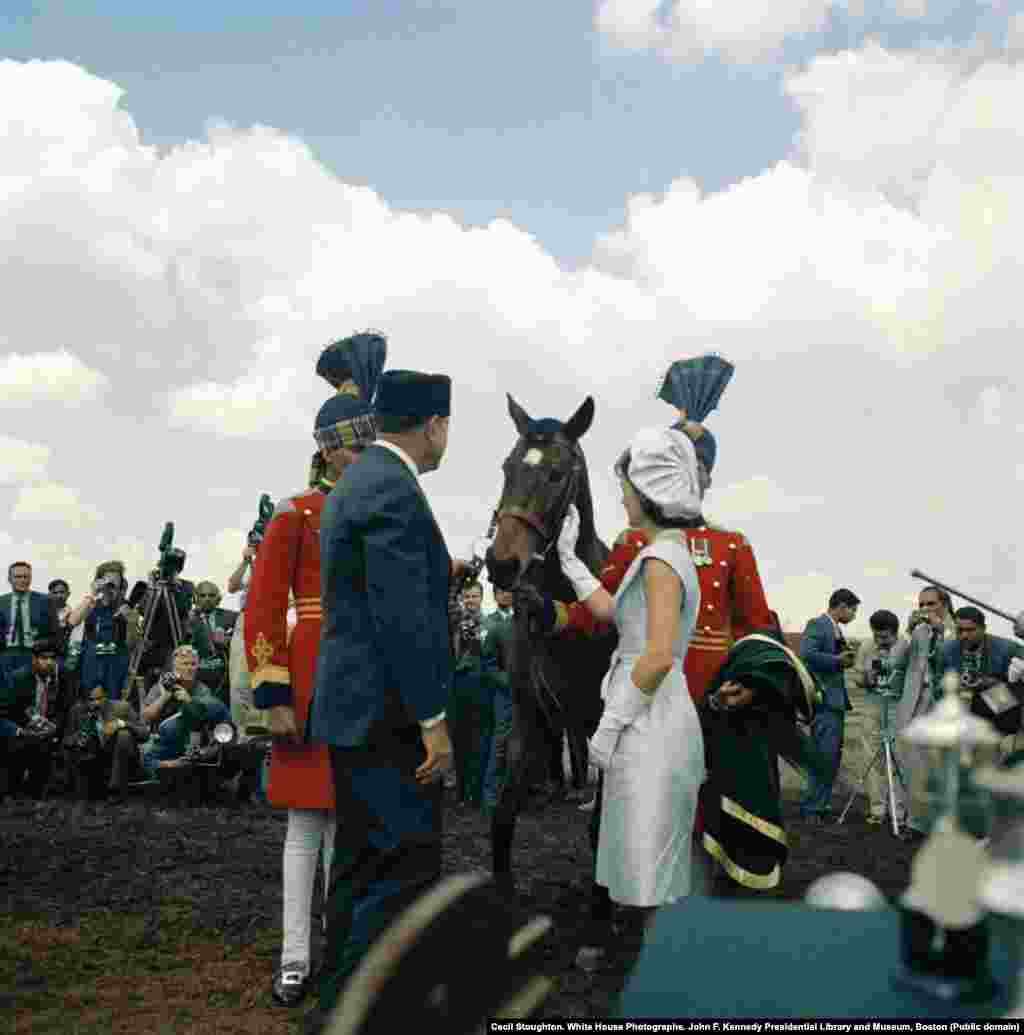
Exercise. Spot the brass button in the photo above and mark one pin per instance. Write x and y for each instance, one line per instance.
(723, 564)
(732, 546)
(717, 584)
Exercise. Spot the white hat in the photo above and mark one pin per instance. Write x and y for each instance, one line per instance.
(663, 468)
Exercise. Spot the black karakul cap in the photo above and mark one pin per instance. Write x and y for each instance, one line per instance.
(409, 393)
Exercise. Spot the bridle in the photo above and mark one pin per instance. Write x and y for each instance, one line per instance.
(541, 493)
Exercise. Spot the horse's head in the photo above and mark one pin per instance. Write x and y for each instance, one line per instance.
(544, 473)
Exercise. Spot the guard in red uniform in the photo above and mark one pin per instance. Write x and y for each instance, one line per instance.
(283, 668)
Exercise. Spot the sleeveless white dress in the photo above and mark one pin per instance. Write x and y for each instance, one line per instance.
(650, 787)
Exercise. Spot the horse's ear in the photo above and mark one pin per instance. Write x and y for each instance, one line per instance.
(519, 416)
(579, 423)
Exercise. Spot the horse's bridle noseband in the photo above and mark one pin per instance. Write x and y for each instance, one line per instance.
(530, 503)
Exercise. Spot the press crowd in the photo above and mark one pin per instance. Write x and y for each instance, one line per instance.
(66, 724)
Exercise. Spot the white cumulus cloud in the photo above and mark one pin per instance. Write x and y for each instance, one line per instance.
(866, 289)
(60, 376)
(736, 30)
(52, 502)
(21, 461)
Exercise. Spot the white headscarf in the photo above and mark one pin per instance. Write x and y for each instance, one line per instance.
(663, 468)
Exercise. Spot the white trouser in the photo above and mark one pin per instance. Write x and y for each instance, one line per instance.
(307, 829)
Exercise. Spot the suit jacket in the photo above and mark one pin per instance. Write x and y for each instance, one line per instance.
(818, 653)
(385, 658)
(111, 710)
(911, 660)
(42, 614)
(17, 692)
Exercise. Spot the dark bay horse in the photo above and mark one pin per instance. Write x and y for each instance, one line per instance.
(555, 681)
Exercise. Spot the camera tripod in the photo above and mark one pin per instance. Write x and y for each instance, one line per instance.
(892, 769)
(158, 596)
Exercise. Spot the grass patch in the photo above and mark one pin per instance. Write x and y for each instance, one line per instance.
(113, 973)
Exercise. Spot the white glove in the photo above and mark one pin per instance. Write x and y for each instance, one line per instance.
(619, 713)
(1016, 671)
(582, 579)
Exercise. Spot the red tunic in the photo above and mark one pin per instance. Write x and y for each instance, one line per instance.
(289, 559)
(732, 603)
(732, 600)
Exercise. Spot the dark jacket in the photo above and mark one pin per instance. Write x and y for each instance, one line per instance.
(110, 710)
(42, 613)
(997, 653)
(17, 693)
(385, 658)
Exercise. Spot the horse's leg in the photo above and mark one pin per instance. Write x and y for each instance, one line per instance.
(510, 802)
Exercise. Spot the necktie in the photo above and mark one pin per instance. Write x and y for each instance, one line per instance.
(19, 627)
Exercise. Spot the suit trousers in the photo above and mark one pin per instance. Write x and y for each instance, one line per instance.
(827, 731)
(387, 848)
(118, 762)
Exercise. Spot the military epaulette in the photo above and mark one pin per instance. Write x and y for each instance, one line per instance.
(728, 531)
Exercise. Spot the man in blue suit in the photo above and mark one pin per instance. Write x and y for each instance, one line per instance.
(25, 616)
(384, 672)
(823, 649)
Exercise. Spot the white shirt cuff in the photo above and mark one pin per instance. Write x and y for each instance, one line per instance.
(427, 723)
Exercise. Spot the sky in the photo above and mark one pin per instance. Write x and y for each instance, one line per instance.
(549, 200)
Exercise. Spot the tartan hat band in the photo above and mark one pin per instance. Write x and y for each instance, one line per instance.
(347, 434)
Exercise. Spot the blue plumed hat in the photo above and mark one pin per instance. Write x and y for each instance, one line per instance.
(408, 393)
(696, 386)
(353, 366)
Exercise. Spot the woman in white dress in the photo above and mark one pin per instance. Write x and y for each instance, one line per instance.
(649, 744)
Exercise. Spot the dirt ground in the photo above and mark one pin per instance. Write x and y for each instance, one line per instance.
(152, 921)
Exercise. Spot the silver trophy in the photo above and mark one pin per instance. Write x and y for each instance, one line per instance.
(945, 935)
(1002, 884)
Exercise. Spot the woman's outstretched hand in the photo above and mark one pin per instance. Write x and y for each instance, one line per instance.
(569, 534)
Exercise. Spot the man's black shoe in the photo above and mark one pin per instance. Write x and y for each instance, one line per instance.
(290, 985)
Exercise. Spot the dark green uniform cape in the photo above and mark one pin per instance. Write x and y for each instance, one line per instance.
(740, 806)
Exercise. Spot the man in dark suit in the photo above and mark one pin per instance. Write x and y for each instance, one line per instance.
(384, 672)
(26, 740)
(219, 625)
(103, 739)
(25, 616)
(823, 649)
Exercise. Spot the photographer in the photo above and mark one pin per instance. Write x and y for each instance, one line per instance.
(102, 744)
(871, 672)
(243, 712)
(470, 710)
(160, 640)
(181, 706)
(26, 737)
(824, 650)
(916, 684)
(991, 673)
(110, 631)
(218, 625)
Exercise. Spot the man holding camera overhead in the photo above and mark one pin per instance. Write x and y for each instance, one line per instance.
(111, 630)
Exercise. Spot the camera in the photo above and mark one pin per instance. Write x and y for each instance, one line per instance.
(169, 681)
(172, 560)
(264, 513)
